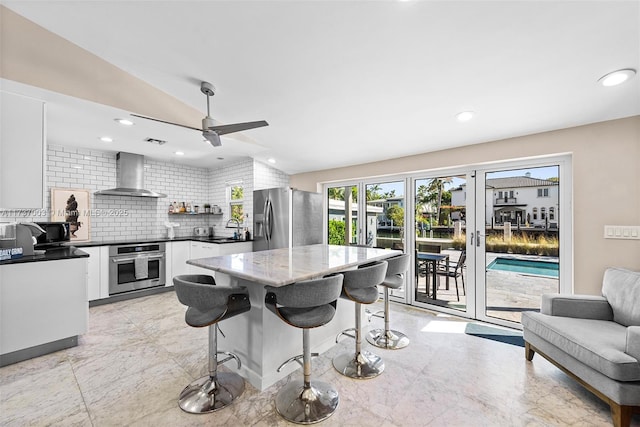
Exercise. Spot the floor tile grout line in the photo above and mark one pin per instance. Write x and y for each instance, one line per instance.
(84, 401)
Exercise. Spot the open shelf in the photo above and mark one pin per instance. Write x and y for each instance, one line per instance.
(193, 213)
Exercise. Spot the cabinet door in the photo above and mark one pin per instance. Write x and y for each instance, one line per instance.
(203, 250)
(21, 152)
(93, 272)
(97, 272)
(180, 253)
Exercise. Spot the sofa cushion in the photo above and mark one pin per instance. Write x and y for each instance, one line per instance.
(621, 288)
(599, 344)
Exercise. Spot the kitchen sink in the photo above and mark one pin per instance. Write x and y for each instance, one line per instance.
(224, 240)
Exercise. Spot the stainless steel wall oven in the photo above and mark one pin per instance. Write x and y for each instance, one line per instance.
(136, 266)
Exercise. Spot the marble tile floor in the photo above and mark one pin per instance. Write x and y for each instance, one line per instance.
(139, 354)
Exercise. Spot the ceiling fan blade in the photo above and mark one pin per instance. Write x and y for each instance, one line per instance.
(169, 123)
(237, 127)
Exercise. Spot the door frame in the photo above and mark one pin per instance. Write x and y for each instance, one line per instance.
(565, 226)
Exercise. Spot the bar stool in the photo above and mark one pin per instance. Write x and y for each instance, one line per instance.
(394, 279)
(305, 305)
(209, 304)
(360, 286)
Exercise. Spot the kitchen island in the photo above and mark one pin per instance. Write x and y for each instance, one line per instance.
(261, 340)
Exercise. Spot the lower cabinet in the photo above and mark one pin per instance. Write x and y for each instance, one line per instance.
(41, 303)
(97, 272)
(203, 250)
(180, 253)
(176, 257)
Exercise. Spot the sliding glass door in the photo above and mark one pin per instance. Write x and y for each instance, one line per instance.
(518, 249)
(486, 242)
(440, 245)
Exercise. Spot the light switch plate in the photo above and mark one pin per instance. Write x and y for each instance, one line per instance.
(627, 232)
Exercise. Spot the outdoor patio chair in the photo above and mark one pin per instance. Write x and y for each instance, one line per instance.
(455, 270)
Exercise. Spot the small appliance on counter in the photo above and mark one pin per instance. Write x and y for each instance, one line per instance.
(201, 231)
(18, 239)
(171, 233)
(53, 234)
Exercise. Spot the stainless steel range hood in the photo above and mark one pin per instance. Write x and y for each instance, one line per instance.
(130, 178)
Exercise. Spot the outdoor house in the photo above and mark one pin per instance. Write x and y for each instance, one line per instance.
(522, 201)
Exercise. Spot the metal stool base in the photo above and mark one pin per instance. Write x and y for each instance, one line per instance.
(363, 365)
(203, 395)
(393, 340)
(302, 405)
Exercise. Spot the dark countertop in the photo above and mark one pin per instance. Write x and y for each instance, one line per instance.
(53, 254)
(217, 240)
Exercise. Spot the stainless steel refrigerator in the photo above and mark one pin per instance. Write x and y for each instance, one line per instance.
(285, 218)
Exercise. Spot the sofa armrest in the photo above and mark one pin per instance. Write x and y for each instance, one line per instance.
(578, 306)
(633, 342)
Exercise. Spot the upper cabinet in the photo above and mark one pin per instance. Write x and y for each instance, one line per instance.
(22, 152)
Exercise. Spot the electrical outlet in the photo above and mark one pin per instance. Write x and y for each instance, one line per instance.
(630, 232)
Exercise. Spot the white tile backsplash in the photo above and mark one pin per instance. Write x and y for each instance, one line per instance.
(143, 217)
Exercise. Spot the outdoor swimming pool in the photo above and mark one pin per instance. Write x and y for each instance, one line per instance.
(538, 268)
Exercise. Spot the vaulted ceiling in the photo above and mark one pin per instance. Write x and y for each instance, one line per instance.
(340, 82)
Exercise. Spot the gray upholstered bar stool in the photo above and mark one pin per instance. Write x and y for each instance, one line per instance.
(209, 304)
(394, 279)
(360, 286)
(305, 305)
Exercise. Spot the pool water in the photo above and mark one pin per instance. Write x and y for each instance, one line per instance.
(538, 268)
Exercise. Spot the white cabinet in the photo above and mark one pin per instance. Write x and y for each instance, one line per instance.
(203, 250)
(180, 253)
(97, 271)
(235, 248)
(22, 153)
(42, 302)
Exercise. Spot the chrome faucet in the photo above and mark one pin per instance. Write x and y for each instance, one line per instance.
(238, 225)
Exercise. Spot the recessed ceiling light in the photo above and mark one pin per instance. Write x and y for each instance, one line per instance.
(179, 153)
(616, 77)
(106, 139)
(271, 160)
(465, 116)
(124, 122)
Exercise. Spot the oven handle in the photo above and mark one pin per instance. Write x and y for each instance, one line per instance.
(118, 260)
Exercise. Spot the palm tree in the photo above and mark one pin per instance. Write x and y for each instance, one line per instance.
(437, 185)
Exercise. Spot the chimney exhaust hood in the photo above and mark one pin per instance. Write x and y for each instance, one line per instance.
(130, 178)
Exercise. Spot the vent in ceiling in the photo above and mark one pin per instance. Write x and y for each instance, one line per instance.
(156, 141)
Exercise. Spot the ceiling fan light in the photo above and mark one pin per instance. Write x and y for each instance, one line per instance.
(212, 138)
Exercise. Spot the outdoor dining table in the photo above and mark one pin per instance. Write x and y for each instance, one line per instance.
(434, 259)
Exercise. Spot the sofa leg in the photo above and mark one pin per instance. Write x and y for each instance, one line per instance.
(528, 351)
(621, 415)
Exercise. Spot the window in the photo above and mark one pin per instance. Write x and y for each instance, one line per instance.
(535, 213)
(552, 213)
(543, 213)
(236, 202)
(499, 194)
(543, 192)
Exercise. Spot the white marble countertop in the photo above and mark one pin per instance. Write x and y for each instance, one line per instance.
(279, 267)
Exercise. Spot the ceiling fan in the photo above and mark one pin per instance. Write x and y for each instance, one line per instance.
(209, 130)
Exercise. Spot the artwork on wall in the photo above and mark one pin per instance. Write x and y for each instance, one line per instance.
(72, 206)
